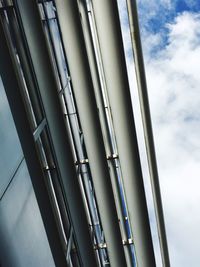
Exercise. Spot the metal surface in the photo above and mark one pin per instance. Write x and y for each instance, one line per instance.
(42, 64)
(52, 31)
(32, 91)
(35, 116)
(72, 34)
(69, 245)
(13, 84)
(39, 129)
(148, 132)
(97, 74)
(111, 46)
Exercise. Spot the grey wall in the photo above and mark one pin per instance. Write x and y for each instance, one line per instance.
(23, 241)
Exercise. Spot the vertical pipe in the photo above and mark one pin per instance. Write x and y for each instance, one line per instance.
(13, 85)
(31, 24)
(98, 89)
(34, 100)
(148, 132)
(113, 59)
(69, 19)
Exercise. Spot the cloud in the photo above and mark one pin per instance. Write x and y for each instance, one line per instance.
(174, 90)
(172, 57)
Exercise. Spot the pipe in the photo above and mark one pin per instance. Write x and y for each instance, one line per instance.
(38, 49)
(69, 19)
(13, 84)
(113, 59)
(103, 108)
(147, 126)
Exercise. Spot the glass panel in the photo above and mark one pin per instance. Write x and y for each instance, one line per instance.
(23, 240)
(10, 148)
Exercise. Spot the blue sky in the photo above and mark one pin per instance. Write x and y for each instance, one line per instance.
(170, 31)
(164, 12)
(154, 16)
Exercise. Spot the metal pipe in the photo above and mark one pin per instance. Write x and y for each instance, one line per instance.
(147, 126)
(56, 46)
(33, 31)
(13, 84)
(26, 66)
(97, 78)
(113, 59)
(69, 19)
(31, 83)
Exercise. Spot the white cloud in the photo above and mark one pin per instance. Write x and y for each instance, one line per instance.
(174, 89)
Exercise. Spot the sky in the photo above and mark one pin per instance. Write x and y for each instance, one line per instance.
(170, 32)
